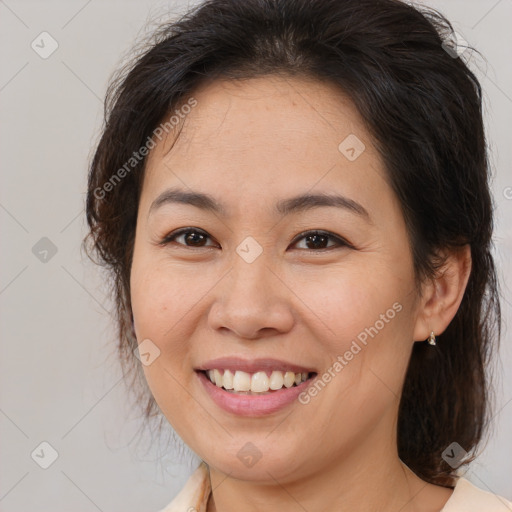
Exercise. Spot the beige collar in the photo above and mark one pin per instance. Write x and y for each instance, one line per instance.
(193, 497)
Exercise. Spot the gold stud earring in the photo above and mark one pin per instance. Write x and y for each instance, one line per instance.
(432, 339)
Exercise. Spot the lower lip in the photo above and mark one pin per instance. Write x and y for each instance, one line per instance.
(252, 405)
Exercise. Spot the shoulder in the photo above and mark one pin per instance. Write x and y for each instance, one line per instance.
(194, 494)
(466, 497)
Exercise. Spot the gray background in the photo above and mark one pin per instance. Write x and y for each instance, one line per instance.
(59, 380)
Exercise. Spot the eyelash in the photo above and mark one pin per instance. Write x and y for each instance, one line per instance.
(339, 240)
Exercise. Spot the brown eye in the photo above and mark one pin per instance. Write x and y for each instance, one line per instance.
(319, 240)
(314, 240)
(191, 237)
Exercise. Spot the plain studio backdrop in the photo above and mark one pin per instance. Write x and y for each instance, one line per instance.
(62, 401)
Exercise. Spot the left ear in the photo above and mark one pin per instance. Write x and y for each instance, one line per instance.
(443, 294)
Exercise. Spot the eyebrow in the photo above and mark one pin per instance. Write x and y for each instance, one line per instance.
(284, 207)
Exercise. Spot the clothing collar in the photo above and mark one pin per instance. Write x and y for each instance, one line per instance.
(194, 496)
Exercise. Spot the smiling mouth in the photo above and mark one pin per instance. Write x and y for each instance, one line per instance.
(257, 383)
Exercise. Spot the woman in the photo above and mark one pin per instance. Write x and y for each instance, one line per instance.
(292, 198)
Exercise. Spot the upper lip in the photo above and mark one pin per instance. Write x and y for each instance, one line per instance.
(252, 366)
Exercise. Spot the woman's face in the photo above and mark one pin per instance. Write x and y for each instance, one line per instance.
(246, 285)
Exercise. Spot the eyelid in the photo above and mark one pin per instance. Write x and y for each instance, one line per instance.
(181, 231)
(337, 238)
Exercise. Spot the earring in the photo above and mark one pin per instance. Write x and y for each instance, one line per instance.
(432, 339)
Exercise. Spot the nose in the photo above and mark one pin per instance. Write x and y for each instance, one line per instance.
(252, 301)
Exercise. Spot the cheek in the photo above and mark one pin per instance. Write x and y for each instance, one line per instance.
(161, 298)
(367, 328)
(345, 301)
(162, 295)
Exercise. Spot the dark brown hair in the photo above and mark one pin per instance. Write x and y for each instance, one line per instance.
(422, 106)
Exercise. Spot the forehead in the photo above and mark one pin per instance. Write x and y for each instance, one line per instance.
(278, 134)
(252, 112)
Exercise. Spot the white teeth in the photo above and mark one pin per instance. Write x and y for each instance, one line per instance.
(228, 380)
(218, 378)
(258, 382)
(289, 379)
(241, 381)
(276, 380)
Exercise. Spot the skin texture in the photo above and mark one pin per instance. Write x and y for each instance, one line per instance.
(249, 144)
